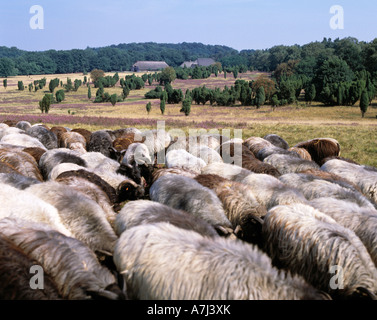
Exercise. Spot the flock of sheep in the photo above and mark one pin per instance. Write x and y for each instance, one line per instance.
(219, 219)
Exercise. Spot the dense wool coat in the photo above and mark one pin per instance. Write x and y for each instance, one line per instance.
(307, 242)
(163, 262)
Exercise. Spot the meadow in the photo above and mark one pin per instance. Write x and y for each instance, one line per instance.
(295, 123)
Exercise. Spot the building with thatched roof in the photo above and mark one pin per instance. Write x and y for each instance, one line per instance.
(200, 62)
(149, 66)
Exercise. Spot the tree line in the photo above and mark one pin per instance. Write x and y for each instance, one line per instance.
(359, 55)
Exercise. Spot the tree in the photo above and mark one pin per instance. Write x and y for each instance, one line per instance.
(149, 107)
(21, 86)
(60, 96)
(364, 103)
(260, 97)
(310, 93)
(167, 75)
(89, 93)
(114, 99)
(54, 83)
(125, 92)
(162, 106)
(96, 74)
(186, 106)
(77, 84)
(5, 83)
(45, 103)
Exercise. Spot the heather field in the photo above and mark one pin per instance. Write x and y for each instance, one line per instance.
(294, 123)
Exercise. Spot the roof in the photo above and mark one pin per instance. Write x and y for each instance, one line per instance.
(188, 64)
(201, 62)
(150, 65)
(205, 62)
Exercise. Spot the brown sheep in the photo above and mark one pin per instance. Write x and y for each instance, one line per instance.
(22, 162)
(10, 123)
(303, 153)
(240, 205)
(255, 144)
(84, 132)
(74, 141)
(248, 159)
(35, 152)
(7, 168)
(321, 148)
(58, 132)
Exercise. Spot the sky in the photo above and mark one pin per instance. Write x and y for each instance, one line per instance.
(239, 24)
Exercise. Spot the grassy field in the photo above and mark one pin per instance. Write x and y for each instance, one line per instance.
(294, 123)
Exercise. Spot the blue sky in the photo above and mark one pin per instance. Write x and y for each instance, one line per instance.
(240, 24)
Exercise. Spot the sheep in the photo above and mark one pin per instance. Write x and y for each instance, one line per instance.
(207, 154)
(107, 169)
(139, 212)
(17, 180)
(124, 132)
(328, 176)
(303, 153)
(23, 162)
(265, 152)
(22, 204)
(309, 243)
(58, 130)
(10, 130)
(23, 125)
(124, 141)
(36, 153)
(277, 141)
(83, 184)
(321, 148)
(74, 141)
(365, 179)
(240, 205)
(227, 171)
(15, 275)
(206, 140)
(7, 168)
(174, 170)
(82, 216)
(52, 158)
(84, 132)
(156, 141)
(163, 262)
(70, 177)
(63, 167)
(186, 194)
(100, 141)
(289, 164)
(242, 156)
(182, 159)
(270, 191)
(74, 268)
(137, 153)
(254, 144)
(321, 163)
(361, 221)
(313, 187)
(23, 140)
(47, 137)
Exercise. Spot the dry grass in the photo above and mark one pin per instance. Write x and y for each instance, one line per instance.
(294, 123)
